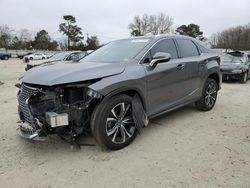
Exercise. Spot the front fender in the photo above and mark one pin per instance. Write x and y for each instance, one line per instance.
(133, 78)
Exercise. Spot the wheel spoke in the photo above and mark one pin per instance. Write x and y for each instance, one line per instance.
(114, 137)
(111, 120)
(125, 130)
(122, 109)
(207, 100)
(123, 136)
(127, 120)
(114, 113)
(212, 98)
(112, 131)
(126, 111)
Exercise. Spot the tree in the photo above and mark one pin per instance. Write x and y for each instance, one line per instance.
(191, 30)
(164, 24)
(43, 42)
(5, 36)
(155, 24)
(71, 30)
(92, 43)
(236, 38)
(22, 40)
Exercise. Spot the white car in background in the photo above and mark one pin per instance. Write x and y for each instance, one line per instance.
(35, 56)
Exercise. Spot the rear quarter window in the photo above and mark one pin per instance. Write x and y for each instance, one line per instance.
(187, 48)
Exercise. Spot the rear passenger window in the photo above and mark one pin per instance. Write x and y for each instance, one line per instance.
(166, 46)
(187, 48)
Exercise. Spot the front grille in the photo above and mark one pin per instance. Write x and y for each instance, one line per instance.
(25, 93)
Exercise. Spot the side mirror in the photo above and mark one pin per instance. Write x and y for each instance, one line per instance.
(160, 57)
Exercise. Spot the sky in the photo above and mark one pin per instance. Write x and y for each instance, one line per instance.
(109, 19)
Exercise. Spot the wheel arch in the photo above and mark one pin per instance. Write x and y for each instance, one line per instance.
(130, 91)
(216, 77)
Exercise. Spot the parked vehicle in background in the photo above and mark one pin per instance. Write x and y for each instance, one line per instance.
(5, 55)
(58, 57)
(34, 56)
(235, 66)
(21, 55)
(113, 91)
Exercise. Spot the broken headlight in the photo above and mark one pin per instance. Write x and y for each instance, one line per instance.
(94, 94)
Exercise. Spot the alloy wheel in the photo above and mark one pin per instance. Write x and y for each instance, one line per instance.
(211, 94)
(120, 125)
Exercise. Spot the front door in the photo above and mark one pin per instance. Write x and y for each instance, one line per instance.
(166, 82)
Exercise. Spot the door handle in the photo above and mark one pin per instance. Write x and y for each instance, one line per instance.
(180, 66)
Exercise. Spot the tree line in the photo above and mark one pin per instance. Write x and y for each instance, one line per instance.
(161, 24)
(235, 38)
(9, 39)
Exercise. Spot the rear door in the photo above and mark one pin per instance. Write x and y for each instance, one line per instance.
(166, 83)
(191, 58)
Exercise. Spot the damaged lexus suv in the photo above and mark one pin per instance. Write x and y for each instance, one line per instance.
(115, 90)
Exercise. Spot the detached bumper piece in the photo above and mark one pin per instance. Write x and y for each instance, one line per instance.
(30, 134)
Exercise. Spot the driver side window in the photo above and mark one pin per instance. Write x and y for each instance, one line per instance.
(166, 46)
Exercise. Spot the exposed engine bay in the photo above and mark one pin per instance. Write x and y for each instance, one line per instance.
(62, 110)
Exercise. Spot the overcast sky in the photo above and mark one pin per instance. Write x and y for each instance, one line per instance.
(109, 19)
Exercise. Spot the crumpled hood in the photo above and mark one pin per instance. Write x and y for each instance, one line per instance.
(230, 65)
(65, 73)
(40, 62)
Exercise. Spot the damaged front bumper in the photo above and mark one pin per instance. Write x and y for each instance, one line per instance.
(62, 111)
(30, 134)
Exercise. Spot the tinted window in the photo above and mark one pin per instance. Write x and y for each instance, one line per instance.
(202, 48)
(166, 46)
(187, 48)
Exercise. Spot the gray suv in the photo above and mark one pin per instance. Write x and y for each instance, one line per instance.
(113, 92)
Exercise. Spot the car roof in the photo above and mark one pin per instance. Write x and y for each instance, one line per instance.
(149, 36)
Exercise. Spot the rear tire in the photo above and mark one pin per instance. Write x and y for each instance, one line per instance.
(112, 124)
(209, 95)
(31, 58)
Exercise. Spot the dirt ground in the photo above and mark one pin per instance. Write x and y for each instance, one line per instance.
(184, 148)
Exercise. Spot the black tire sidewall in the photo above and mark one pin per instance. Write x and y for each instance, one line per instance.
(98, 122)
(201, 104)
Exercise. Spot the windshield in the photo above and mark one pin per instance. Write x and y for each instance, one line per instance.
(117, 51)
(232, 59)
(59, 56)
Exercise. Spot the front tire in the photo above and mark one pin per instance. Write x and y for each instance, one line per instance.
(244, 78)
(209, 95)
(112, 122)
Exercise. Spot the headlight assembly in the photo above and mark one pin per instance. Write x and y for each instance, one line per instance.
(94, 94)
